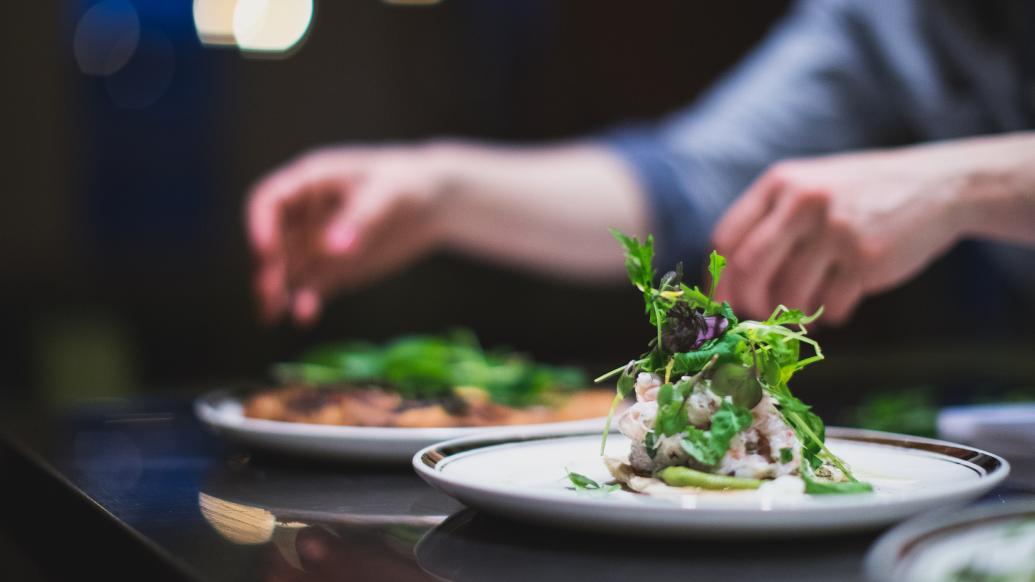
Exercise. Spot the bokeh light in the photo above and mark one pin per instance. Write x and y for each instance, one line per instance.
(271, 26)
(214, 21)
(106, 37)
(263, 27)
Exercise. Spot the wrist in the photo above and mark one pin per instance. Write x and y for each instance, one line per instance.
(997, 194)
(447, 165)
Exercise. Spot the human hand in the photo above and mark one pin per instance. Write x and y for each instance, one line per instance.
(340, 217)
(830, 231)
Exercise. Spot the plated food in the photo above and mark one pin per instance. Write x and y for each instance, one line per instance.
(359, 401)
(714, 409)
(527, 477)
(716, 443)
(424, 382)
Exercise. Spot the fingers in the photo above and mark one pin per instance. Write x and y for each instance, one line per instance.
(356, 221)
(281, 208)
(765, 248)
(306, 306)
(271, 290)
(841, 293)
(752, 206)
(313, 172)
(798, 281)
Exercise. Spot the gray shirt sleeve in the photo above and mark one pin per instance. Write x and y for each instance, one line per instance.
(812, 87)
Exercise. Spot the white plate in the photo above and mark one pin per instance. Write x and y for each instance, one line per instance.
(525, 478)
(223, 412)
(1010, 428)
(935, 547)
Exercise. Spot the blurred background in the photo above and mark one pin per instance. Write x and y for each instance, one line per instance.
(135, 127)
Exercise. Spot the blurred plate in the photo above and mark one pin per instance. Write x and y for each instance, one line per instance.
(1008, 428)
(984, 542)
(223, 412)
(525, 478)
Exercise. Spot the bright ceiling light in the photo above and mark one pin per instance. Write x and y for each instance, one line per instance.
(271, 26)
(214, 21)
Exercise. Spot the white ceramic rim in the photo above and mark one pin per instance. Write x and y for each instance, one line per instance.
(887, 555)
(428, 460)
(206, 408)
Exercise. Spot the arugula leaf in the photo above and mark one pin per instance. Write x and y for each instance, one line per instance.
(786, 455)
(784, 316)
(639, 264)
(817, 486)
(627, 381)
(716, 263)
(709, 446)
(726, 311)
(584, 483)
(724, 347)
(650, 443)
(671, 418)
(639, 259)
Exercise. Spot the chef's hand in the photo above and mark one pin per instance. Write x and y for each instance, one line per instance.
(337, 218)
(832, 230)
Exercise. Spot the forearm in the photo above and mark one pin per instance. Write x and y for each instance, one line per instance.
(544, 208)
(997, 199)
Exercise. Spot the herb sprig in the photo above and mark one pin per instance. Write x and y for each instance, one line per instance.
(583, 483)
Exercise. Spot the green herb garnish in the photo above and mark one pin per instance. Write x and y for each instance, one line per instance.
(698, 336)
(584, 483)
(786, 455)
(709, 446)
(431, 367)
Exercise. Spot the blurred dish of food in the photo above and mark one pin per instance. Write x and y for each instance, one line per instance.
(364, 402)
(424, 382)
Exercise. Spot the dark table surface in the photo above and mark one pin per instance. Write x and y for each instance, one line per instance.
(140, 487)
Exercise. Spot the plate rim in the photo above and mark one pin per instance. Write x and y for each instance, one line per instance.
(887, 553)
(427, 460)
(206, 409)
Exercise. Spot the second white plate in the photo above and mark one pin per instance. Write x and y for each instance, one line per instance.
(525, 478)
(223, 412)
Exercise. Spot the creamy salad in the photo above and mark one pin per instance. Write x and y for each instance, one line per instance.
(713, 406)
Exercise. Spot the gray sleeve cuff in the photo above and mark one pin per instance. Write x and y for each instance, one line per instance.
(682, 231)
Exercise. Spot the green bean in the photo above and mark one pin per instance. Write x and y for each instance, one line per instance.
(686, 477)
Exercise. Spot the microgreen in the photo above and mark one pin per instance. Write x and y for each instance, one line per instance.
(709, 446)
(786, 455)
(584, 483)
